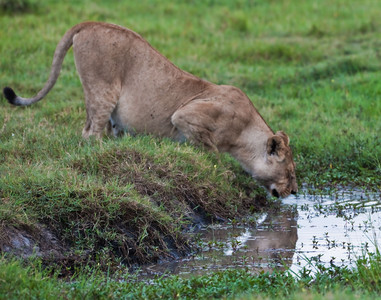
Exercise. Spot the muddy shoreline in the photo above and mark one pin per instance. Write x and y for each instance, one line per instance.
(280, 234)
(48, 243)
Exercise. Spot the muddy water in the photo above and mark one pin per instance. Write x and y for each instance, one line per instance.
(328, 229)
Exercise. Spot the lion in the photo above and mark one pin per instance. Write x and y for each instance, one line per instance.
(130, 87)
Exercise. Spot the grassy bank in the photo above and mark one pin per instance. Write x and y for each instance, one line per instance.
(129, 199)
(312, 69)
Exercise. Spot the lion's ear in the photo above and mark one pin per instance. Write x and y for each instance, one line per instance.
(284, 136)
(275, 147)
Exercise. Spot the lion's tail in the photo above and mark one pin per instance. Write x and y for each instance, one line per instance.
(59, 55)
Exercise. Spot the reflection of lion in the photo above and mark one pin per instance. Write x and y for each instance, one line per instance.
(271, 244)
(276, 237)
(130, 86)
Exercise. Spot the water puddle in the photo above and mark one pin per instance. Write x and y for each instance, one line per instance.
(328, 229)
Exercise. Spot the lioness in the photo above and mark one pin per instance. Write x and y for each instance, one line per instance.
(129, 86)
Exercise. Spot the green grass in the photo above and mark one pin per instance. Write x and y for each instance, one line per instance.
(130, 198)
(312, 69)
(318, 81)
(363, 281)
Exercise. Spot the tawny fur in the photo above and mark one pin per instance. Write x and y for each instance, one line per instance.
(129, 86)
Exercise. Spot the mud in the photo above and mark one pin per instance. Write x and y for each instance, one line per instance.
(26, 241)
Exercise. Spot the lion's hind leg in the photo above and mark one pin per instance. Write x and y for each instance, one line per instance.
(100, 104)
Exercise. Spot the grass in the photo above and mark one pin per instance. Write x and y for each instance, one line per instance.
(328, 282)
(120, 197)
(316, 81)
(312, 69)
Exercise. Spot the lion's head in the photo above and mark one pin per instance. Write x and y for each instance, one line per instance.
(278, 171)
(271, 164)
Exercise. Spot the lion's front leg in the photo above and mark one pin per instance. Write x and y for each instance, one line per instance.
(196, 121)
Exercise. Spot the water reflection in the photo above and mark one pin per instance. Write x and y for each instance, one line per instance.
(328, 229)
(270, 244)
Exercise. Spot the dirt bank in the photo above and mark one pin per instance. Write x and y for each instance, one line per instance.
(139, 211)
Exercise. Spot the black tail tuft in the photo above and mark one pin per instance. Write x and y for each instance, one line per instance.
(10, 95)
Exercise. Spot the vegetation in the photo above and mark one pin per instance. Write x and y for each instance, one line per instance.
(333, 282)
(17, 6)
(311, 68)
